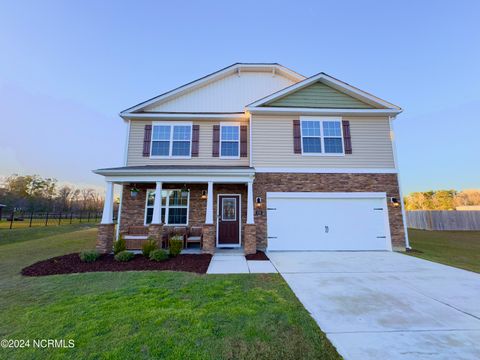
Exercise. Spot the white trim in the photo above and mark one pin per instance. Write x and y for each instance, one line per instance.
(185, 116)
(404, 216)
(127, 143)
(180, 172)
(326, 195)
(231, 124)
(179, 179)
(170, 149)
(167, 207)
(209, 78)
(336, 84)
(321, 111)
(250, 155)
(321, 120)
(239, 222)
(311, 170)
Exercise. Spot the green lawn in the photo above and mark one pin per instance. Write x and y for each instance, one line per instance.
(455, 248)
(150, 314)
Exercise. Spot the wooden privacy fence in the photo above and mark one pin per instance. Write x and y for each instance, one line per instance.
(443, 220)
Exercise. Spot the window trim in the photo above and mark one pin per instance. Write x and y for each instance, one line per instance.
(321, 119)
(232, 124)
(167, 207)
(170, 147)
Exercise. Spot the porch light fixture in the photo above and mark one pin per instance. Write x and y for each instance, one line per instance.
(258, 202)
(395, 202)
(134, 192)
(204, 195)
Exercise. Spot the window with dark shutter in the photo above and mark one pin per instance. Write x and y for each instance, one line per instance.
(195, 140)
(297, 137)
(347, 140)
(216, 140)
(147, 136)
(243, 141)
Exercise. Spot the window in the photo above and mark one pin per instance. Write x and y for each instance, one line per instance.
(171, 140)
(229, 141)
(175, 205)
(322, 137)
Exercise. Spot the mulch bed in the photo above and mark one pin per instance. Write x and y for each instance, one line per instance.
(71, 263)
(259, 255)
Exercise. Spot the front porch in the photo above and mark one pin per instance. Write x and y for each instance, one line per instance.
(216, 213)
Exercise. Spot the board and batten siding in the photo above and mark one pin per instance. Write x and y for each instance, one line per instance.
(135, 147)
(319, 95)
(272, 140)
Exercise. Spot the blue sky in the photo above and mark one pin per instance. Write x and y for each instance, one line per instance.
(68, 67)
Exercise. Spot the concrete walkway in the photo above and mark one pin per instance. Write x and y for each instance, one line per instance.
(384, 305)
(237, 264)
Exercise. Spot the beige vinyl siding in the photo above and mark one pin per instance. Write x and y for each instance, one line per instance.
(135, 147)
(319, 95)
(272, 138)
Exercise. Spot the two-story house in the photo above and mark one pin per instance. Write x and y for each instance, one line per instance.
(260, 157)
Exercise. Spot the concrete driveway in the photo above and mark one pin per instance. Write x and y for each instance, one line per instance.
(384, 305)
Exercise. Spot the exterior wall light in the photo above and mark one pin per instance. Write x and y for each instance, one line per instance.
(204, 195)
(134, 192)
(395, 202)
(258, 202)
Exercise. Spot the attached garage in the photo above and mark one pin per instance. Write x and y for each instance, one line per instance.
(327, 221)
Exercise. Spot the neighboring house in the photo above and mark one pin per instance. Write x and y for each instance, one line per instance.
(260, 157)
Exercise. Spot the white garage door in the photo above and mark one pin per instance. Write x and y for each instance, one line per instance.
(327, 221)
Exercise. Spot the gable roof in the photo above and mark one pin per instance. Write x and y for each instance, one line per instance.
(275, 68)
(339, 86)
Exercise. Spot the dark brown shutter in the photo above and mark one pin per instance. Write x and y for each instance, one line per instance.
(347, 140)
(147, 138)
(243, 141)
(297, 137)
(216, 140)
(195, 139)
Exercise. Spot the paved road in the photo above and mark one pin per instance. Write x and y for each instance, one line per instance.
(385, 305)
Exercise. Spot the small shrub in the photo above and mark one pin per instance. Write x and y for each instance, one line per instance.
(176, 245)
(124, 256)
(119, 245)
(89, 255)
(149, 246)
(158, 255)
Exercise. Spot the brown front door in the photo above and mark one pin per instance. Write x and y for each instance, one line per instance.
(228, 220)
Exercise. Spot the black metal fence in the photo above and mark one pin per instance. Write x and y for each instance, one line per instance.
(22, 219)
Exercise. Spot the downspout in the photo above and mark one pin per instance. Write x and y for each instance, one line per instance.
(250, 139)
(394, 148)
(127, 140)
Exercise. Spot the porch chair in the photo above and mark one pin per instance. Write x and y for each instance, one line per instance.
(180, 231)
(194, 235)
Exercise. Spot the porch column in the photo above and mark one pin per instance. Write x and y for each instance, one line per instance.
(209, 212)
(107, 217)
(250, 203)
(157, 204)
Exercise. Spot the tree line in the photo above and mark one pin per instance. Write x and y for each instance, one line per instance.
(441, 199)
(34, 193)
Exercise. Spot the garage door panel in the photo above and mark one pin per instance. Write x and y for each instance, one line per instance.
(327, 224)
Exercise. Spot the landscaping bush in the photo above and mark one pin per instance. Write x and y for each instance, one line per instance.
(124, 256)
(119, 245)
(89, 255)
(149, 246)
(158, 255)
(176, 245)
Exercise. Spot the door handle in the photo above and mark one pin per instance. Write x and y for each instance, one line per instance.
(327, 229)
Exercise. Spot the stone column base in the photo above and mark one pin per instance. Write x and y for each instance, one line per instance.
(155, 231)
(250, 243)
(208, 239)
(105, 236)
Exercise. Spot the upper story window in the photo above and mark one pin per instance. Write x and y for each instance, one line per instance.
(322, 136)
(171, 140)
(230, 141)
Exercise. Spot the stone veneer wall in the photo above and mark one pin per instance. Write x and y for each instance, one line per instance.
(291, 182)
(133, 210)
